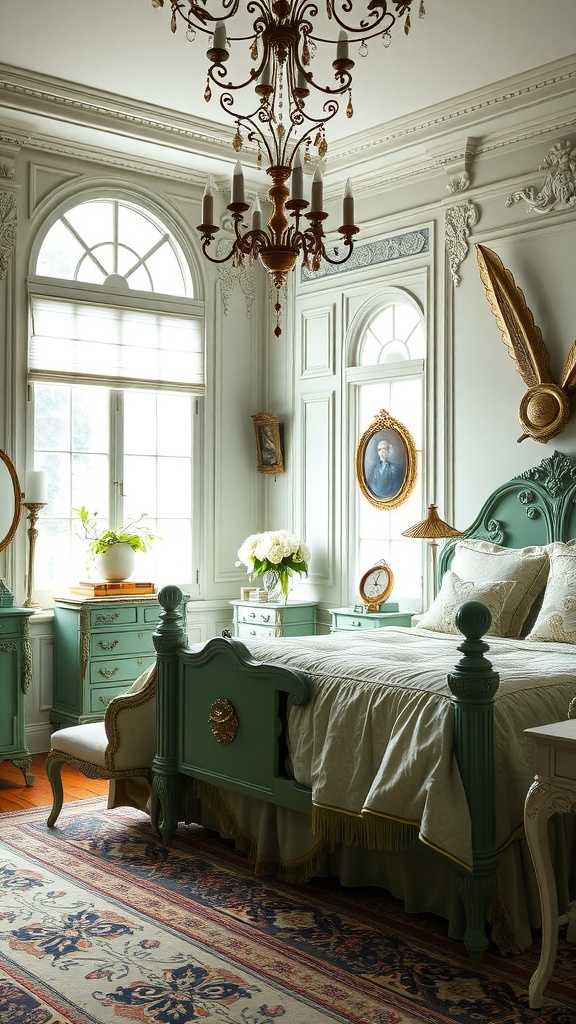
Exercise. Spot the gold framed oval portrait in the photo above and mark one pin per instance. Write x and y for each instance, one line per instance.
(386, 464)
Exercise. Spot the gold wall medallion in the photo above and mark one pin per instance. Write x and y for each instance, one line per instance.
(223, 720)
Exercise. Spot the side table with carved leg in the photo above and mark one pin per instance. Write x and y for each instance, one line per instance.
(552, 792)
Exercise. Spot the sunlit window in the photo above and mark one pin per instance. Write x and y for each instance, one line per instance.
(394, 344)
(115, 384)
(115, 244)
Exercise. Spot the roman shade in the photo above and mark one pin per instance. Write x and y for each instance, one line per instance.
(116, 346)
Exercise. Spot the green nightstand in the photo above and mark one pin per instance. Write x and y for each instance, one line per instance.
(270, 618)
(15, 675)
(347, 620)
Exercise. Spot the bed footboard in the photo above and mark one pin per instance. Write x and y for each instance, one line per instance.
(215, 705)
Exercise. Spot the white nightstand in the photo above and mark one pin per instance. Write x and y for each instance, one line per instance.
(552, 792)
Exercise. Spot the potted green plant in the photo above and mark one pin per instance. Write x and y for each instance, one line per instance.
(113, 551)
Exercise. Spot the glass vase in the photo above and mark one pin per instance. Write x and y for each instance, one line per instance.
(273, 586)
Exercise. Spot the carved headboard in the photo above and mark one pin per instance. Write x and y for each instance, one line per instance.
(536, 507)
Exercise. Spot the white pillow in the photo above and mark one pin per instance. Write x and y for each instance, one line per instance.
(454, 592)
(557, 617)
(526, 568)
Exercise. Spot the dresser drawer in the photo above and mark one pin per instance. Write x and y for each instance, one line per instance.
(100, 697)
(128, 642)
(9, 625)
(112, 670)
(250, 631)
(262, 616)
(113, 615)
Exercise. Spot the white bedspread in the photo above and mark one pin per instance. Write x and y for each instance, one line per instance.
(376, 739)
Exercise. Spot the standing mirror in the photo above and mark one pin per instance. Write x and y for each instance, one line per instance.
(10, 500)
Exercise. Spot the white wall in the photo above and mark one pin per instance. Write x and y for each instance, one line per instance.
(474, 388)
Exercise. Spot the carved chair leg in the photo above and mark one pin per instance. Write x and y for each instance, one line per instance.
(53, 771)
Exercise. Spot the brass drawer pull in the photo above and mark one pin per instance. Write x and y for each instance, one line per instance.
(355, 622)
(106, 620)
(265, 618)
(108, 673)
(253, 632)
(108, 647)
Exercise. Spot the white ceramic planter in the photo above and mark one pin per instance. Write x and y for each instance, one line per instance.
(116, 564)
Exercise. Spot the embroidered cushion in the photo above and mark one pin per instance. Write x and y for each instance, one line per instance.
(527, 568)
(454, 592)
(557, 617)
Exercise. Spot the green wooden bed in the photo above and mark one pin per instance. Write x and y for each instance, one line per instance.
(240, 745)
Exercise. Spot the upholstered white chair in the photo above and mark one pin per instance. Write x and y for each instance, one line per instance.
(120, 748)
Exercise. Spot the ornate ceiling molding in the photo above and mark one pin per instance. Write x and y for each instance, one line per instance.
(455, 158)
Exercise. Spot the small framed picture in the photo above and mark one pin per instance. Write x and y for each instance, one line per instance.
(386, 465)
(269, 455)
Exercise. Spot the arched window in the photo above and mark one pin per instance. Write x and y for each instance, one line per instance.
(389, 357)
(116, 368)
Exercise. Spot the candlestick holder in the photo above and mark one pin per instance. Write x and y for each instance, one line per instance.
(33, 512)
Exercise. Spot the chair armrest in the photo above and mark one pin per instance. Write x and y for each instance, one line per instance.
(130, 724)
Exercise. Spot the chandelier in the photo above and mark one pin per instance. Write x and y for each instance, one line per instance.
(288, 119)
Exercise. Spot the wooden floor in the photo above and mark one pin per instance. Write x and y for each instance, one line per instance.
(15, 795)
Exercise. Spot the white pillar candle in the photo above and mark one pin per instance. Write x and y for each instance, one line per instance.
(342, 46)
(208, 203)
(317, 192)
(256, 214)
(238, 184)
(219, 36)
(297, 177)
(348, 205)
(36, 488)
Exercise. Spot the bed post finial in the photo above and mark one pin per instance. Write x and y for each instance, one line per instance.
(473, 684)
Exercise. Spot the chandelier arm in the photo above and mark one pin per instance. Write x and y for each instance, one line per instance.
(378, 13)
(349, 246)
(214, 259)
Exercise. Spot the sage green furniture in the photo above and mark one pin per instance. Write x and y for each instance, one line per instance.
(15, 678)
(295, 618)
(220, 716)
(347, 620)
(101, 645)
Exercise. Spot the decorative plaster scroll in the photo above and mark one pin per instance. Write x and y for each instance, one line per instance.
(559, 189)
(455, 160)
(7, 230)
(458, 222)
(9, 149)
(232, 273)
(412, 243)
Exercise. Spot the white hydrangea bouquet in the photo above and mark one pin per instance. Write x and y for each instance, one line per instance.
(275, 552)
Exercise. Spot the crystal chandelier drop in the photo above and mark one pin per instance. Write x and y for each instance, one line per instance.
(287, 116)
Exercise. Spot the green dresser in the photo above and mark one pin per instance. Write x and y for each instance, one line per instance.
(251, 619)
(346, 619)
(101, 645)
(15, 678)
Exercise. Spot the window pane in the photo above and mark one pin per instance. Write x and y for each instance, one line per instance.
(166, 272)
(60, 253)
(93, 221)
(137, 230)
(90, 420)
(140, 421)
(52, 419)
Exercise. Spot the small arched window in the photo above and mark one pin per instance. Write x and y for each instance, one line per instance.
(389, 374)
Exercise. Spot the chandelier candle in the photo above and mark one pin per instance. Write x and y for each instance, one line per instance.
(208, 204)
(297, 178)
(348, 205)
(238, 184)
(317, 192)
(256, 215)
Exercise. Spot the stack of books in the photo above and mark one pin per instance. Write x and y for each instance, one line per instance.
(107, 589)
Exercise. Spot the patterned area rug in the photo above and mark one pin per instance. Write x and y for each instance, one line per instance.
(99, 922)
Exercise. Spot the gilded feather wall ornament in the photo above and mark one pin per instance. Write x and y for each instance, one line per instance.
(547, 407)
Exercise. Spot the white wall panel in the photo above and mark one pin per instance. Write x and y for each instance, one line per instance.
(318, 489)
(317, 338)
